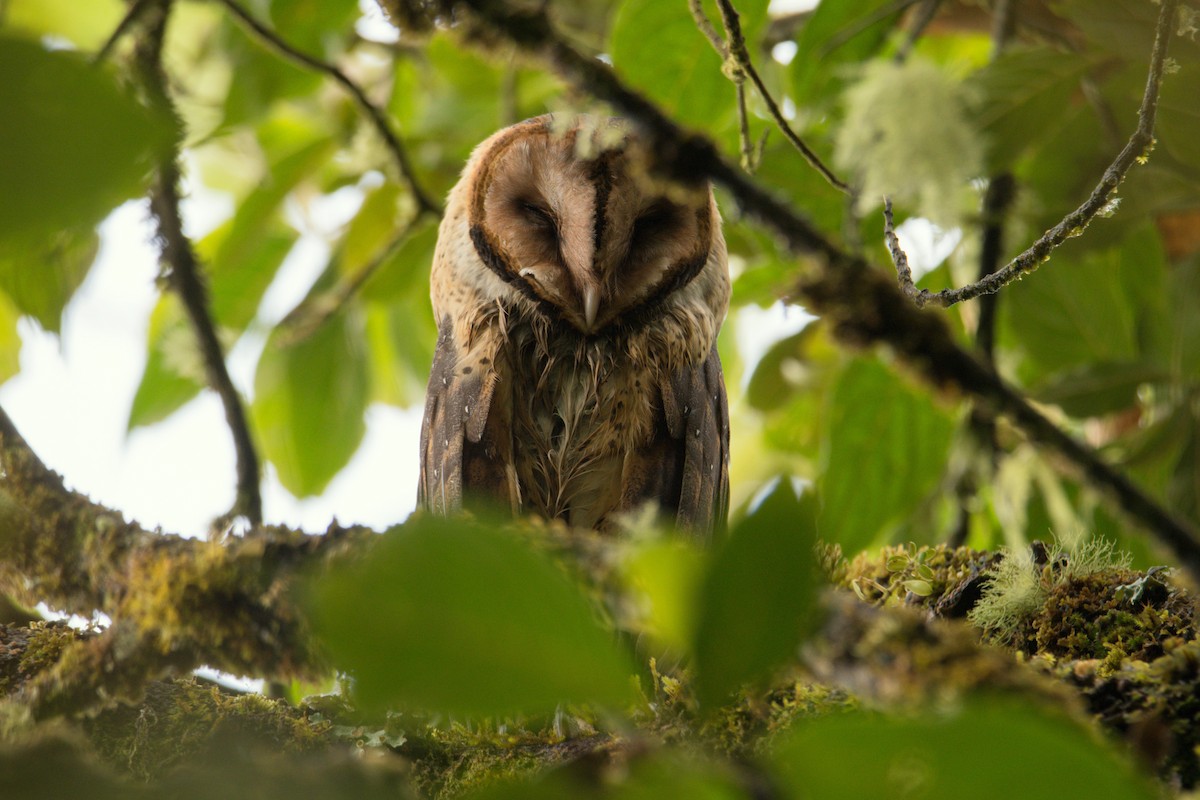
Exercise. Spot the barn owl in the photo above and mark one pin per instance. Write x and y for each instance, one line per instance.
(576, 374)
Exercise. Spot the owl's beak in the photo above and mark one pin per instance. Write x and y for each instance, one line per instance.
(591, 305)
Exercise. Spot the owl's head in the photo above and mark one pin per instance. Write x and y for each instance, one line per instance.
(562, 210)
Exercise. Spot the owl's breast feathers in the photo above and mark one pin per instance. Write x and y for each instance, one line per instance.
(541, 420)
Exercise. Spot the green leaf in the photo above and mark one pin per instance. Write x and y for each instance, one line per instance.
(1099, 388)
(86, 25)
(309, 400)
(244, 254)
(1017, 98)
(400, 339)
(884, 451)
(313, 25)
(658, 776)
(839, 33)
(666, 575)
(697, 94)
(757, 600)
(262, 79)
(1073, 311)
(907, 134)
(240, 257)
(456, 617)
(174, 371)
(50, 178)
(405, 273)
(990, 749)
(10, 340)
(41, 276)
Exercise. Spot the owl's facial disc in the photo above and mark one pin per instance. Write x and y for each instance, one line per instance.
(585, 236)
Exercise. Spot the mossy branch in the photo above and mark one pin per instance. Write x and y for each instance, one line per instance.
(863, 307)
(175, 603)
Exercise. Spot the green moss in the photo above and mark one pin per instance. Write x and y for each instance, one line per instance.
(1023, 582)
(449, 761)
(926, 576)
(1090, 617)
(1155, 706)
(752, 723)
(44, 645)
(180, 718)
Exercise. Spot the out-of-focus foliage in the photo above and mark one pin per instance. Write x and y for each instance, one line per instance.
(451, 617)
(459, 619)
(759, 596)
(988, 749)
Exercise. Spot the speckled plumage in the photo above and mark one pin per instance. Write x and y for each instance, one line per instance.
(576, 373)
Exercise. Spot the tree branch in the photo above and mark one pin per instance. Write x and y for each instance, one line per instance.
(862, 305)
(899, 257)
(183, 274)
(175, 603)
(311, 314)
(378, 119)
(123, 27)
(924, 16)
(1137, 148)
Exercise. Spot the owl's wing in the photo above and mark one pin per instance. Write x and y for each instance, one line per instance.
(685, 466)
(466, 435)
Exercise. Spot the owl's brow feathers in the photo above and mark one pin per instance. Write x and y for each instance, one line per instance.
(599, 174)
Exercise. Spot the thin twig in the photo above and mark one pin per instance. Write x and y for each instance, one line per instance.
(740, 67)
(706, 27)
(1004, 24)
(1001, 189)
(735, 74)
(373, 112)
(1074, 223)
(184, 276)
(131, 16)
(310, 315)
(861, 304)
(923, 17)
(899, 257)
(738, 51)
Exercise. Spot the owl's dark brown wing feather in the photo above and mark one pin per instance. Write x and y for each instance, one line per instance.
(466, 438)
(685, 466)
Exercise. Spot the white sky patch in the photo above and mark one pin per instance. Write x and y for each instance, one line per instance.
(784, 52)
(780, 7)
(373, 25)
(238, 683)
(760, 328)
(925, 244)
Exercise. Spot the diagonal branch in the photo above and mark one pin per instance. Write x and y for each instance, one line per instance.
(378, 119)
(1136, 149)
(311, 314)
(862, 304)
(924, 15)
(184, 276)
(133, 15)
